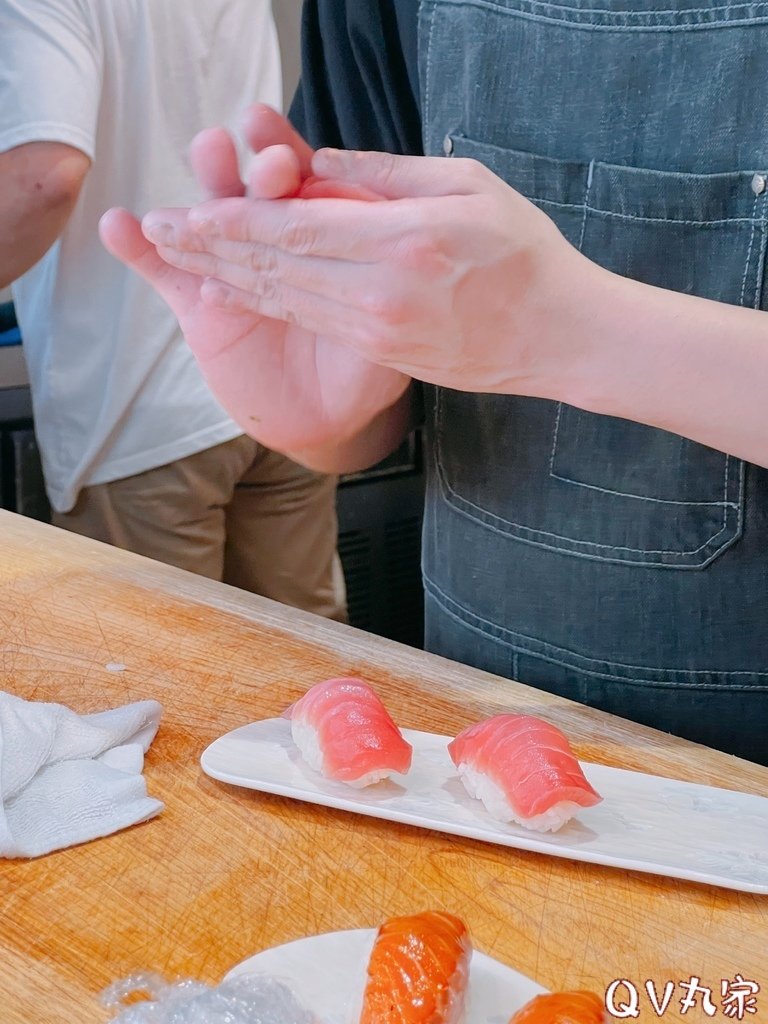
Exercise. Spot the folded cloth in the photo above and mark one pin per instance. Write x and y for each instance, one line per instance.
(68, 778)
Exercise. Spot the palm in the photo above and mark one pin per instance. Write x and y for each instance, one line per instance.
(283, 383)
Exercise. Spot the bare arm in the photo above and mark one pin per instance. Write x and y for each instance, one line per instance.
(41, 184)
(688, 365)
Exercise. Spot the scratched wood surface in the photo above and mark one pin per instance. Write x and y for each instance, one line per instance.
(225, 872)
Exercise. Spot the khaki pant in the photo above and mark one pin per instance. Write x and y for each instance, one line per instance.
(236, 512)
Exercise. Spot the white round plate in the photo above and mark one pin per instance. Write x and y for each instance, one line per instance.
(327, 973)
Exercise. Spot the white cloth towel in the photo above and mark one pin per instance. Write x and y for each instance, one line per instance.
(68, 778)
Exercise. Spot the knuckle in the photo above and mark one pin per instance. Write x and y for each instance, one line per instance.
(385, 306)
(266, 287)
(189, 241)
(262, 259)
(298, 238)
(425, 254)
(372, 301)
(396, 313)
(386, 168)
(475, 172)
(181, 241)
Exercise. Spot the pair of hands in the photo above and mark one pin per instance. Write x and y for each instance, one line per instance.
(309, 318)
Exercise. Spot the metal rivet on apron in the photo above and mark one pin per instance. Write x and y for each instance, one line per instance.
(448, 148)
(758, 184)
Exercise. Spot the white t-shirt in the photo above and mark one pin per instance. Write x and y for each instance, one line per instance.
(115, 389)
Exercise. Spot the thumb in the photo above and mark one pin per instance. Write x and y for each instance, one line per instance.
(400, 177)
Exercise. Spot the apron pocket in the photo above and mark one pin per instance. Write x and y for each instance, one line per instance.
(610, 488)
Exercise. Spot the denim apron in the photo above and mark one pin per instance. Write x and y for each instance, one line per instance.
(615, 564)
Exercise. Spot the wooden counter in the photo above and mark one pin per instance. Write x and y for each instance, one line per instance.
(225, 872)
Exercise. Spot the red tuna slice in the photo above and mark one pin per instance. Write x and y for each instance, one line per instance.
(355, 731)
(531, 760)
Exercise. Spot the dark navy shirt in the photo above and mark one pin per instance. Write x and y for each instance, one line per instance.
(359, 86)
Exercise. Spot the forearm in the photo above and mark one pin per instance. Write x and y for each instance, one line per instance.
(41, 183)
(683, 364)
(372, 444)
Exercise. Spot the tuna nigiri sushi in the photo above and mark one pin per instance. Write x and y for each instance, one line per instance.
(523, 770)
(344, 731)
(418, 971)
(563, 1008)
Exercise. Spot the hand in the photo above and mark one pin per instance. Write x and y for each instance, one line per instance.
(457, 280)
(280, 167)
(292, 388)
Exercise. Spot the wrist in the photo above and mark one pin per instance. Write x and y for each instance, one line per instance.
(605, 341)
(632, 344)
(572, 336)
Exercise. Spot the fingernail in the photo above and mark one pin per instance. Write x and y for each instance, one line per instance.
(328, 162)
(160, 234)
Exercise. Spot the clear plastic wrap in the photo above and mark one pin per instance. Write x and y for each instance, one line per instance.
(249, 999)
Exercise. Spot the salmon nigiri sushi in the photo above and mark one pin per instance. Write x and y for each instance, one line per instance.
(523, 770)
(563, 1008)
(418, 971)
(344, 732)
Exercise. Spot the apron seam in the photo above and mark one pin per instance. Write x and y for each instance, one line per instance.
(749, 254)
(760, 270)
(655, 21)
(532, 647)
(719, 222)
(455, 500)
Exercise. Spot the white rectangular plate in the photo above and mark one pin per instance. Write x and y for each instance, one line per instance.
(645, 823)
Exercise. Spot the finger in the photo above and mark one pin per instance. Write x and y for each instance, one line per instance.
(273, 173)
(400, 177)
(122, 236)
(314, 313)
(324, 188)
(243, 265)
(170, 226)
(214, 159)
(263, 127)
(338, 228)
